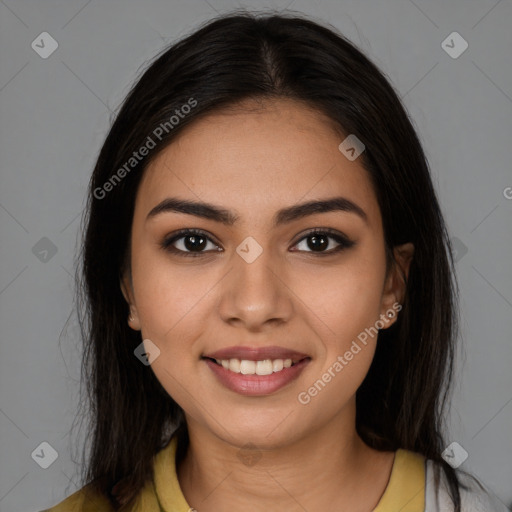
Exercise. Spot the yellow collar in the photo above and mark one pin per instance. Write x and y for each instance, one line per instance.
(406, 487)
(167, 486)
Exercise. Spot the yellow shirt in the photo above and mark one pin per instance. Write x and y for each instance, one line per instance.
(405, 490)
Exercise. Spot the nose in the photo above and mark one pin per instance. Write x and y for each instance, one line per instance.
(256, 295)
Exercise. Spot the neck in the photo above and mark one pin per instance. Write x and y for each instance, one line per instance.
(327, 469)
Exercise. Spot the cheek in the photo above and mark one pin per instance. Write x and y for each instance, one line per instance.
(347, 301)
(171, 299)
(171, 305)
(348, 307)
(347, 298)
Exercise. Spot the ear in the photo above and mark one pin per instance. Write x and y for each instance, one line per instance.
(395, 285)
(127, 290)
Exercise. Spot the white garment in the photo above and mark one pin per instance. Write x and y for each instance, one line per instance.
(472, 500)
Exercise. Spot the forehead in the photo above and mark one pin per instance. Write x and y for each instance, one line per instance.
(257, 157)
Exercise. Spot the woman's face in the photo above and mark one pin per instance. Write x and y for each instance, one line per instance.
(254, 278)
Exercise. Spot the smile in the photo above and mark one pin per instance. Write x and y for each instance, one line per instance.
(248, 367)
(256, 371)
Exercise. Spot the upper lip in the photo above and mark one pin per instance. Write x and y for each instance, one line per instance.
(256, 353)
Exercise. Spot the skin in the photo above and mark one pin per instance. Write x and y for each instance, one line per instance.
(255, 161)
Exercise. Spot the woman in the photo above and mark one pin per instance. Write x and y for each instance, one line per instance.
(270, 309)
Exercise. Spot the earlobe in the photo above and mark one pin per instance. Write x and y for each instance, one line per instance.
(133, 319)
(127, 291)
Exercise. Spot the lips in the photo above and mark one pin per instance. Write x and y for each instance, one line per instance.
(256, 354)
(256, 371)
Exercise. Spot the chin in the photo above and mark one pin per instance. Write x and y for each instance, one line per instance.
(266, 433)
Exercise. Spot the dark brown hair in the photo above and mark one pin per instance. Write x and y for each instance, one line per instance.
(401, 403)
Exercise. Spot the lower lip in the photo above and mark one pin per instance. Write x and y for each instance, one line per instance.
(256, 385)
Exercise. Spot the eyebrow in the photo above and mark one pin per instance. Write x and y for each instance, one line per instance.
(283, 216)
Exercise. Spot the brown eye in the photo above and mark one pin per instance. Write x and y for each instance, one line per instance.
(319, 241)
(189, 242)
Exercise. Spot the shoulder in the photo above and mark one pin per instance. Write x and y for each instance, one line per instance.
(88, 500)
(474, 497)
(83, 500)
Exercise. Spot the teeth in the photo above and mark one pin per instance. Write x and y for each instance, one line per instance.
(277, 365)
(234, 365)
(264, 367)
(246, 367)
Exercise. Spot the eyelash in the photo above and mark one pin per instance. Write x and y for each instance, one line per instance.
(344, 242)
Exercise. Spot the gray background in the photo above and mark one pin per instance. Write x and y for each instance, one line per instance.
(55, 113)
